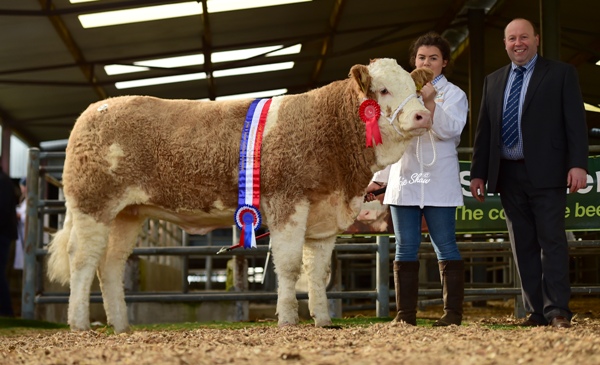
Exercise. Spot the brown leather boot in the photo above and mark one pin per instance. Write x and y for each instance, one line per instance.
(452, 273)
(406, 284)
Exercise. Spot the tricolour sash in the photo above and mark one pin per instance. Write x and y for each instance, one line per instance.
(247, 216)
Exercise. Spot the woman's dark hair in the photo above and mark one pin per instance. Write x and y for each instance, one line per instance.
(430, 39)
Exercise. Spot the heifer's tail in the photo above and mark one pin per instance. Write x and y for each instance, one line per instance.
(58, 263)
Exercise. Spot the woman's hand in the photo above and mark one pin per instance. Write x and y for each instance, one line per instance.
(428, 93)
(373, 186)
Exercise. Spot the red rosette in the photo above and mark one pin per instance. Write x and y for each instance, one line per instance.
(370, 111)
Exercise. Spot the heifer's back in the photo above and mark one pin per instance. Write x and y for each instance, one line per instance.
(177, 154)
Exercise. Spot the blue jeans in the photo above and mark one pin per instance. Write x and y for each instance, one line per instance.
(441, 222)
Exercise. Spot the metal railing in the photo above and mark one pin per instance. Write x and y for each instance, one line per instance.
(35, 252)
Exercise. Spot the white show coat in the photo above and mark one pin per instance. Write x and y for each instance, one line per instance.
(410, 181)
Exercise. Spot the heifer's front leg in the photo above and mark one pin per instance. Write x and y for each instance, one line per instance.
(287, 258)
(86, 247)
(122, 239)
(317, 264)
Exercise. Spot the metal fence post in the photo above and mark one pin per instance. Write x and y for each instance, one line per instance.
(383, 276)
(31, 239)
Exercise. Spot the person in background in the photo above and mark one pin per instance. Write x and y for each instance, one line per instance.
(530, 145)
(8, 233)
(21, 215)
(425, 183)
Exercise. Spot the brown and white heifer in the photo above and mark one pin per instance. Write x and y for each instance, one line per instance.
(133, 157)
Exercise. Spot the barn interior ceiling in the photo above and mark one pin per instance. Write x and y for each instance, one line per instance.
(54, 61)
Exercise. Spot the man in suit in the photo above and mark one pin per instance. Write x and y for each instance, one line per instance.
(530, 146)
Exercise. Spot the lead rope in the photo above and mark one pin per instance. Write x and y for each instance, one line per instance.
(422, 164)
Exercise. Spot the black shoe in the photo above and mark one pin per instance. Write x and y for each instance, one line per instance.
(560, 322)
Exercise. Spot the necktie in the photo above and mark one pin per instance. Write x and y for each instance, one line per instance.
(510, 125)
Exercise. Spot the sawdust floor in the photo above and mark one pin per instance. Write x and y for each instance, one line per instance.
(476, 342)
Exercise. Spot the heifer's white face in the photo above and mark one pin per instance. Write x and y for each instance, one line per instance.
(404, 116)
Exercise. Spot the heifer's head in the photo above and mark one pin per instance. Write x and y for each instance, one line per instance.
(403, 115)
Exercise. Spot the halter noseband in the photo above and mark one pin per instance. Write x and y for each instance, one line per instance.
(398, 110)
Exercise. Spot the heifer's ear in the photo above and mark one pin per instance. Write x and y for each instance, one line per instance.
(360, 74)
(421, 76)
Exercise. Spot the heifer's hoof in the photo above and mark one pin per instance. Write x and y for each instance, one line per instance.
(323, 322)
(80, 327)
(286, 323)
(119, 330)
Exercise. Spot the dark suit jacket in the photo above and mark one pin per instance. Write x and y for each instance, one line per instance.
(553, 126)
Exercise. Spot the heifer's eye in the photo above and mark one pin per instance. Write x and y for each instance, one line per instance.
(384, 91)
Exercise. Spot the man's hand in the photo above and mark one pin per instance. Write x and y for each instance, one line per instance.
(576, 179)
(478, 189)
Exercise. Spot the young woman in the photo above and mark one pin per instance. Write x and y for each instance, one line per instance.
(425, 183)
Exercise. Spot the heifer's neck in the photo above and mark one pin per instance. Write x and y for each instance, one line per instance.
(389, 153)
(341, 101)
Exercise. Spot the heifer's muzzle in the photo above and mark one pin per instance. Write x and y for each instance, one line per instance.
(398, 110)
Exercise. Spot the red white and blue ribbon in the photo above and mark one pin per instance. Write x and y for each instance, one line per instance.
(247, 216)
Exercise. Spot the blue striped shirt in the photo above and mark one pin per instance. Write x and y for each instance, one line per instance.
(436, 79)
(516, 152)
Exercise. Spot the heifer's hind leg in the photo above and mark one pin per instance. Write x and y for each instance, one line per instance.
(87, 244)
(317, 264)
(123, 233)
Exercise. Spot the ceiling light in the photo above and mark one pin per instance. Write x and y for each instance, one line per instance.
(253, 69)
(158, 12)
(254, 95)
(160, 80)
(591, 108)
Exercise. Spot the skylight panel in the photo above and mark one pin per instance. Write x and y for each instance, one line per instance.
(137, 15)
(123, 69)
(287, 51)
(202, 75)
(160, 80)
(241, 54)
(198, 59)
(591, 108)
(254, 95)
(168, 11)
(253, 69)
(171, 62)
(217, 6)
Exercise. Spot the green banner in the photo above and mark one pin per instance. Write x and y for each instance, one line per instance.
(582, 213)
